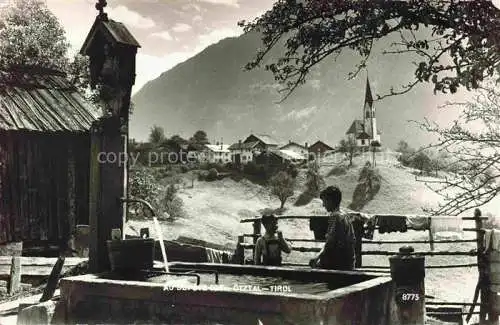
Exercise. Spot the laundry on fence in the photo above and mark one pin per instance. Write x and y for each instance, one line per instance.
(319, 225)
(418, 223)
(371, 223)
(446, 224)
(492, 239)
(391, 223)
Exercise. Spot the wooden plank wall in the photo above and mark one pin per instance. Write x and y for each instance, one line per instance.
(43, 185)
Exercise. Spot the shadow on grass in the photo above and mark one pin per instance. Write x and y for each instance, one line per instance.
(338, 170)
(369, 183)
(304, 199)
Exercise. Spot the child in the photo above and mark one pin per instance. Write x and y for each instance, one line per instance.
(339, 250)
(269, 246)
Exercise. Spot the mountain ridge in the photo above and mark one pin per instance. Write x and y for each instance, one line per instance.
(212, 92)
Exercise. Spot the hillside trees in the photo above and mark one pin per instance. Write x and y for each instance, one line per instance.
(474, 143)
(200, 137)
(156, 135)
(348, 148)
(282, 185)
(31, 35)
(458, 48)
(314, 180)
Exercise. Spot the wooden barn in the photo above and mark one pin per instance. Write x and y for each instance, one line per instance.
(44, 156)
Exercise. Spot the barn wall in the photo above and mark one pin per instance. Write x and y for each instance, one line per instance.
(43, 185)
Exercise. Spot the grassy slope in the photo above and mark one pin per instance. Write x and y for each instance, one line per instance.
(214, 210)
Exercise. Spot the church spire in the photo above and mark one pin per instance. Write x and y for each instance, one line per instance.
(368, 94)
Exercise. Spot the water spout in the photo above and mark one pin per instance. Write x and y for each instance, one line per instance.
(162, 244)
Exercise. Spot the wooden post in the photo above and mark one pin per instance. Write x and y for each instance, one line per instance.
(53, 280)
(112, 66)
(358, 232)
(482, 268)
(256, 232)
(239, 254)
(107, 188)
(408, 274)
(15, 275)
(431, 234)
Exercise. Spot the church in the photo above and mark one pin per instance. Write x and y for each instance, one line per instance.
(365, 131)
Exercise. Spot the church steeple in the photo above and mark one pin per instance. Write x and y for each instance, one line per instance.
(368, 110)
(370, 124)
(368, 94)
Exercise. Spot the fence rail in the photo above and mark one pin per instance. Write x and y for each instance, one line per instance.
(379, 242)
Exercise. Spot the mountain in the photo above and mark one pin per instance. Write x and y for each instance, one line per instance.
(212, 92)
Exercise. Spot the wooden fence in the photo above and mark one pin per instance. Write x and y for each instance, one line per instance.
(383, 270)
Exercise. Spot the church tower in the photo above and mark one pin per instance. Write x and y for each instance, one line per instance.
(370, 121)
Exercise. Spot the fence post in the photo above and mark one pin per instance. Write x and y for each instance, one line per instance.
(358, 232)
(15, 275)
(431, 234)
(482, 268)
(408, 274)
(256, 234)
(239, 254)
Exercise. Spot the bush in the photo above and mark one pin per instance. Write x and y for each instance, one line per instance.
(172, 204)
(212, 175)
(202, 175)
(250, 168)
(184, 169)
(293, 171)
(143, 185)
(338, 170)
(314, 181)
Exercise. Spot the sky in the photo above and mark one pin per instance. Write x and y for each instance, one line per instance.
(169, 31)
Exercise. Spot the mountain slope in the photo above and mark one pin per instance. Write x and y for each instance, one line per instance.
(212, 92)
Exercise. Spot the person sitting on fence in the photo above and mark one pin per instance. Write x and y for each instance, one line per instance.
(268, 247)
(338, 252)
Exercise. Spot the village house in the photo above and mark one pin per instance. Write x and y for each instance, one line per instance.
(243, 153)
(45, 156)
(215, 154)
(297, 148)
(319, 148)
(365, 131)
(264, 142)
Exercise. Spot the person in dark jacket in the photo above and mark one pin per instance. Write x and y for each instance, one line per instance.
(268, 247)
(339, 250)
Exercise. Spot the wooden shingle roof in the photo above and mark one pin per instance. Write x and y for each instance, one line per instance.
(37, 99)
(115, 31)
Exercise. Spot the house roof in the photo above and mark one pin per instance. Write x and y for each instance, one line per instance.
(238, 146)
(319, 142)
(289, 155)
(265, 138)
(291, 143)
(117, 31)
(356, 127)
(38, 99)
(224, 148)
